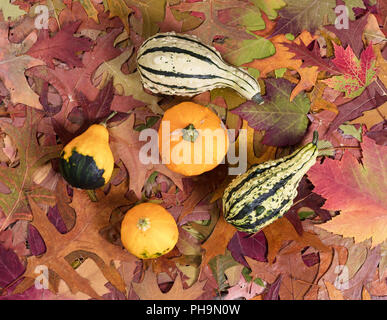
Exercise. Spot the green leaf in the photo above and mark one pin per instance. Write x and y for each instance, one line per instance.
(219, 265)
(11, 11)
(350, 4)
(285, 122)
(350, 130)
(305, 214)
(270, 7)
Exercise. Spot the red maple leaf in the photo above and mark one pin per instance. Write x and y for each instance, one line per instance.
(357, 190)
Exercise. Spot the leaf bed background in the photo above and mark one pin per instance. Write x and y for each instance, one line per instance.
(56, 82)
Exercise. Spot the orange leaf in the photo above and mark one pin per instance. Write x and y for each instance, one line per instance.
(281, 230)
(148, 289)
(217, 243)
(334, 294)
(283, 58)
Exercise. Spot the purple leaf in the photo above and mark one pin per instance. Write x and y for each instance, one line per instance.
(55, 218)
(352, 35)
(311, 259)
(371, 98)
(35, 241)
(273, 292)
(10, 266)
(379, 133)
(114, 293)
(244, 244)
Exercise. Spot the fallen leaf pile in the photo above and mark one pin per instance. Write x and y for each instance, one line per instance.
(62, 72)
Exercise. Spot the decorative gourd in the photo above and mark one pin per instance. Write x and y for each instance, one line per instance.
(148, 231)
(266, 191)
(192, 139)
(179, 64)
(87, 161)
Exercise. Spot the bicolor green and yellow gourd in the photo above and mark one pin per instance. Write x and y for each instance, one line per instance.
(266, 191)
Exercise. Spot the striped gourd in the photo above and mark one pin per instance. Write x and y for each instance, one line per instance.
(266, 191)
(179, 64)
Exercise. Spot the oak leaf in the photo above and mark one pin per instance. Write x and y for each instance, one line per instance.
(83, 237)
(148, 289)
(13, 63)
(127, 146)
(62, 46)
(357, 190)
(19, 180)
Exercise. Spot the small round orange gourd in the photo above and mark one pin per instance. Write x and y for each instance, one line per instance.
(148, 231)
(192, 139)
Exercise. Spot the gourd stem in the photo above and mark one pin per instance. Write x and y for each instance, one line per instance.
(257, 98)
(315, 138)
(104, 122)
(190, 134)
(92, 195)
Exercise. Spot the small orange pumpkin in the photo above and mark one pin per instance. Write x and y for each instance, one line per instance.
(148, 231)
(192, 139)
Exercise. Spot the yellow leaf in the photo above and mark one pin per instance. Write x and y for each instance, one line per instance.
(118, 8)
(334, 294)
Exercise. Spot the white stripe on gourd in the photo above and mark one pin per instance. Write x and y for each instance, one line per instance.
(179, 64)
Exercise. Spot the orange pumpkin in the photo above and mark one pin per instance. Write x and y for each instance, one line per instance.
(148, 231)
(192, 139)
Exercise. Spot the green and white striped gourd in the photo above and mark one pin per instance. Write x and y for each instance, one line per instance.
(266, 191)
(179, 64)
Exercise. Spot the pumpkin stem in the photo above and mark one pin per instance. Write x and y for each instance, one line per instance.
(143, 224)
(190, 134)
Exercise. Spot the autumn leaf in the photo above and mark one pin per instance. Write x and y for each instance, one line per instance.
(148, 289)
(88, 240)
(282, 230)
(285, 123)
(357, 75)
(126, 146)
(13, 63)
(62, 46)
(284, 58)
(11, 11)
(19, 180)
(357, 190)
(118, 8)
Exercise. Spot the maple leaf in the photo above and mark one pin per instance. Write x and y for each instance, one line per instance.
(19, 180)
(148, 289)
(351, 36)
(63, 46)
(357, 75)
(126, 146)
(285, 123)
(357, 191)
(284, 58)
(84, 237)
(13, 64)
